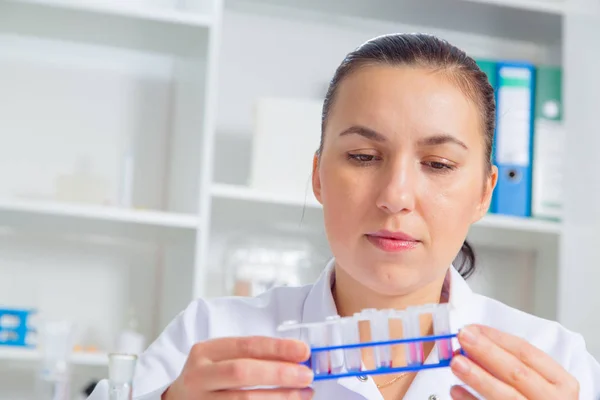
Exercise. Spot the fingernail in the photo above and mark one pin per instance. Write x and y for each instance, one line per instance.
(458, 393)
(306, 394)
(305, 374)
(469, 334)
(461, 365)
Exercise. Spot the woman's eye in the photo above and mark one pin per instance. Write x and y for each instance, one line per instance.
(362, 158)
(440, 166)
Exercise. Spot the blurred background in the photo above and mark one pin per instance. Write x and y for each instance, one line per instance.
(156, 151)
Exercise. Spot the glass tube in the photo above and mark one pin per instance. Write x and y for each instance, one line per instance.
(53, 378)
(441, 326)
(380, 332)
(317, 337)
(121, 368)
(351, 335)
(411, 329)
(334, 338)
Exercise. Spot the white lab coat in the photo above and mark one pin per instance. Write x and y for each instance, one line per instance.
(162, 362)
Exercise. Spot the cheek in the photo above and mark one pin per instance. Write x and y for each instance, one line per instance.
(449, 208)
(345, 199)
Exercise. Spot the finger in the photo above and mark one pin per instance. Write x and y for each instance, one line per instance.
(482, 381)
(242, 373)
(504, 365)
(460, 393)
(528, 354)
(266, 394)
(259, 347)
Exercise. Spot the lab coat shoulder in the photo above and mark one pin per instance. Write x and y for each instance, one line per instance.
(205, 319)
(564, 346)
(260, 315)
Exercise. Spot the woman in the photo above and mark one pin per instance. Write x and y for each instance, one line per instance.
(402, 171)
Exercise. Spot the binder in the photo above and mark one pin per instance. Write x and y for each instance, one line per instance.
(488, 67)
(549, 144)
(513, 150)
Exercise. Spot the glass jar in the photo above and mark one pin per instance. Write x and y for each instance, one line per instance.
(256, 264)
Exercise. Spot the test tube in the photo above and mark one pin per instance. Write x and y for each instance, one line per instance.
(334, 338)
(441, 326)
(317, 337)
(121, 368)
(351, 335)
(380, 332)
(411, 329)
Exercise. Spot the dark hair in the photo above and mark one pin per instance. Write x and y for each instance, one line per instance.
(422, 50)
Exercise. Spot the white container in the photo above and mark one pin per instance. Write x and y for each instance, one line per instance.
(287, 133)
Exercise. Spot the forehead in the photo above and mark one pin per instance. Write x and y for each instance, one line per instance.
(390, 99)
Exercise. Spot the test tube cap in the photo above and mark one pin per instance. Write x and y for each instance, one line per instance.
(121, 367)
(287, 325)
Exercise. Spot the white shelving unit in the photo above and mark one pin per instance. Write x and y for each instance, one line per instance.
(88, 83)
(15, 355)
(106, 98)
(132, 10)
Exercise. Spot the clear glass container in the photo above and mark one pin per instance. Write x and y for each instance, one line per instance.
(121, 368)
(53, 375)
(256, 264)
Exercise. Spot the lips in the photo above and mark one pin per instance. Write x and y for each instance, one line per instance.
(392, 241)
(393, 235)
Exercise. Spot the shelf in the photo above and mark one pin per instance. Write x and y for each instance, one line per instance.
(542, 6)
(535, 21)
(91, 219)
(32, 355)
(520, 224)
(117, 215)
(126, 9)
(235, 192)
(115, 23)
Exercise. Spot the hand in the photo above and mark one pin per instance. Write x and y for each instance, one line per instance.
(220, 369)
(503, 366)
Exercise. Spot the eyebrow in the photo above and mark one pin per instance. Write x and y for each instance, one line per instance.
(365, 132)
(435, 140)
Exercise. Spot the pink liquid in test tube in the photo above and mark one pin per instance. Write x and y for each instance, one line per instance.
(414, 350)
(441, 326)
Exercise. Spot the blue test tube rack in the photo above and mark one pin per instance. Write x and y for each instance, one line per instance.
(381, 370)
(341, 335)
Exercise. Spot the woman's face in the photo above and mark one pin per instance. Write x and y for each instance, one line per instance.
(401, 176)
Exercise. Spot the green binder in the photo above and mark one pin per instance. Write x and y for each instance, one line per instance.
(549, 144)
(489, 68)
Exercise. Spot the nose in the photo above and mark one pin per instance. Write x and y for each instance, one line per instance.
(397, 194)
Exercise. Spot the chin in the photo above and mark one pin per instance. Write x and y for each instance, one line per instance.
(391, 279)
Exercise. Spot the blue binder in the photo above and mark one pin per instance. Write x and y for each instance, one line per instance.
(513, 144)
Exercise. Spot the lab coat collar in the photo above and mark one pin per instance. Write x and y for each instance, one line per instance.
(319, 305)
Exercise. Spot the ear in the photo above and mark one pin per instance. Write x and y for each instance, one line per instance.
(486, 198)
(316, 179)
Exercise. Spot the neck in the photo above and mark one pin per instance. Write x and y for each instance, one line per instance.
(351, 296)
